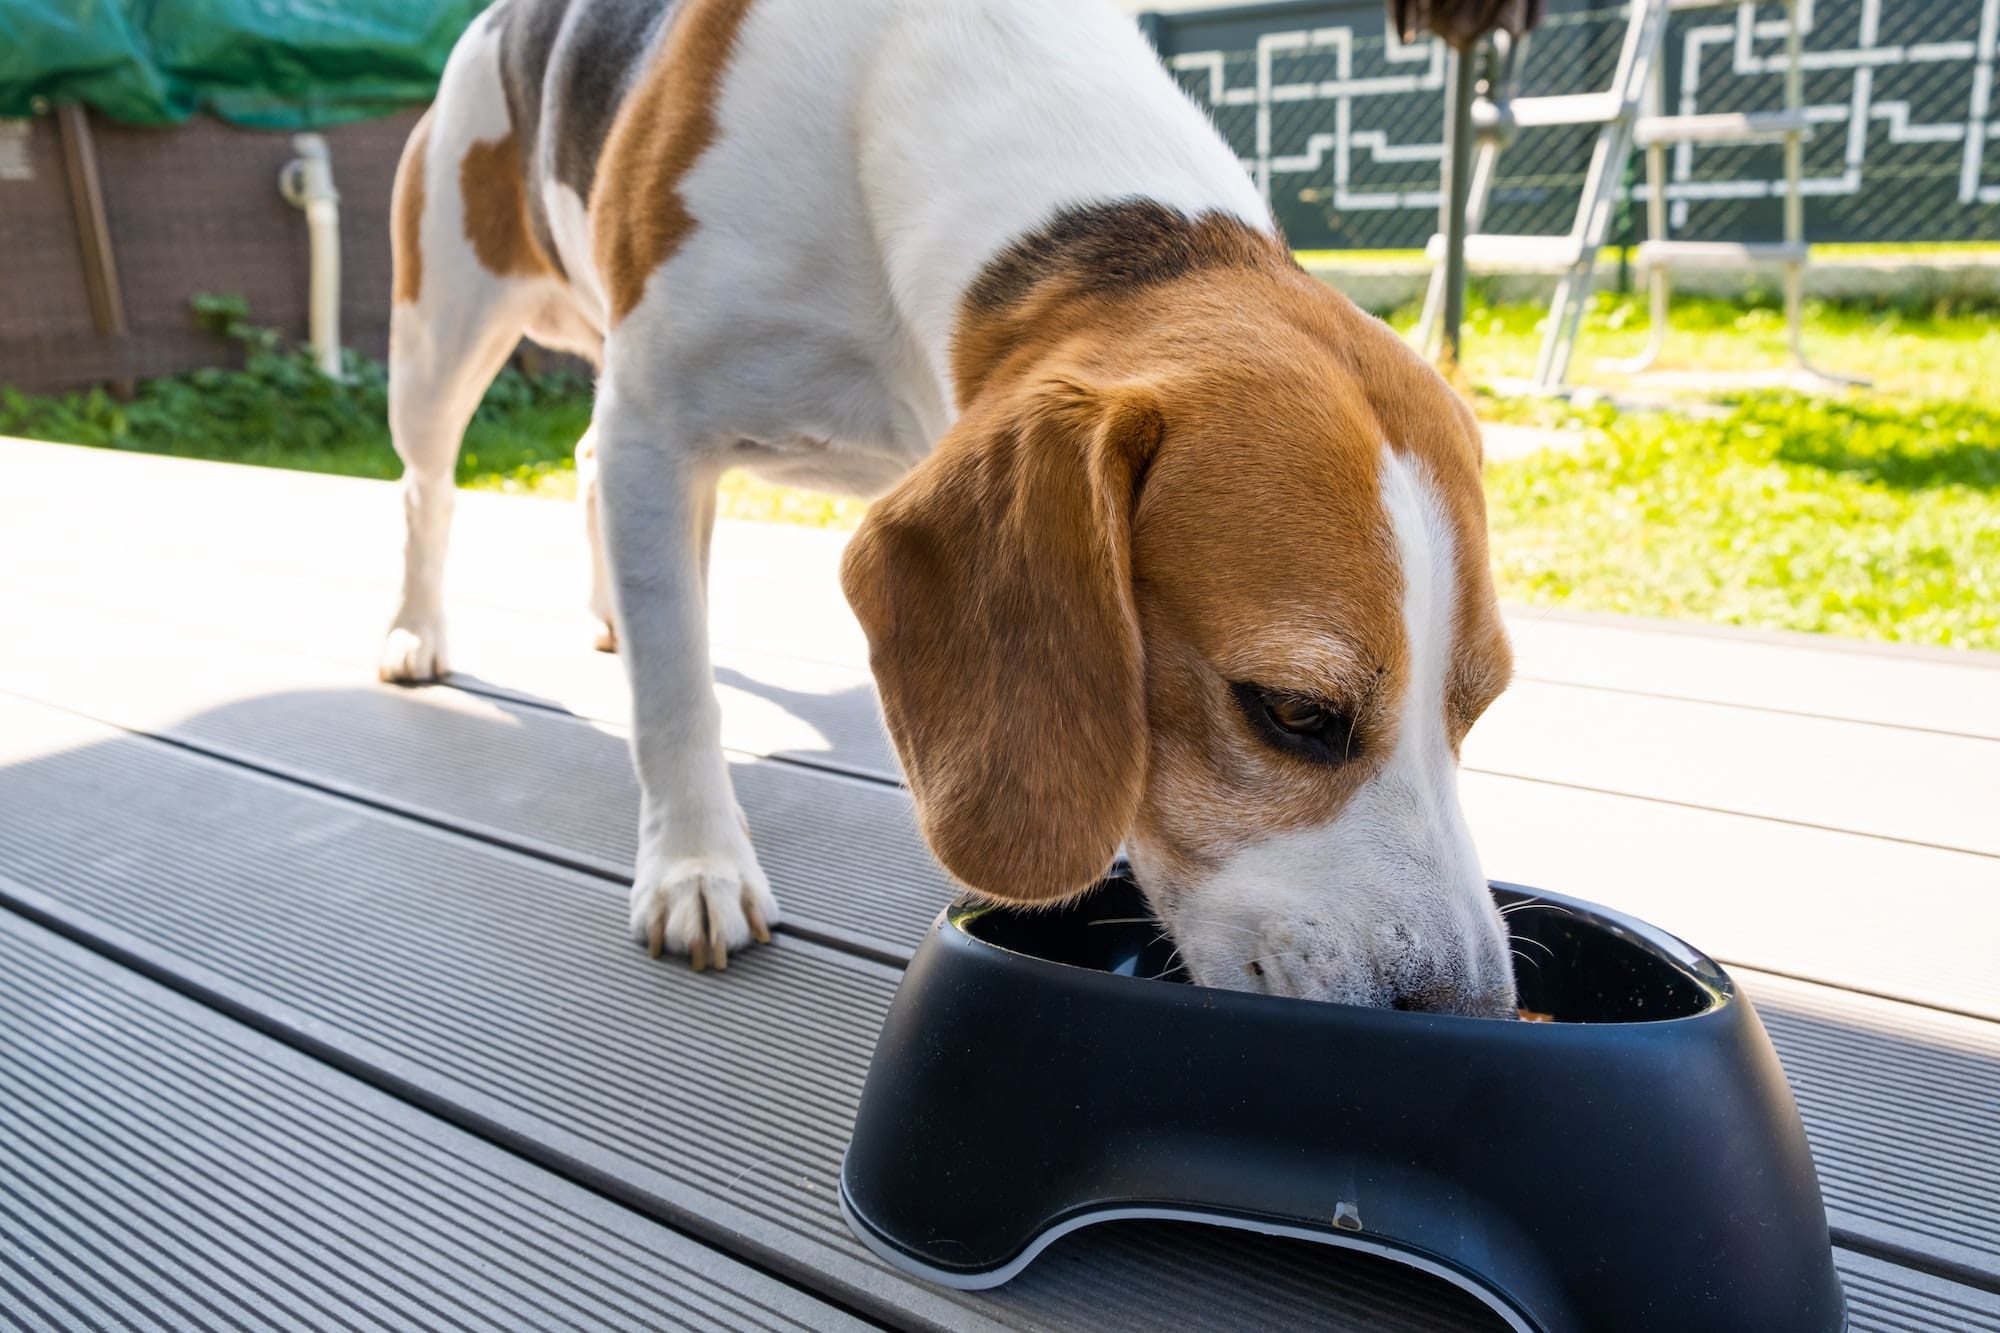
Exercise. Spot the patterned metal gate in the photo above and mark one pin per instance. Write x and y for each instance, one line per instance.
(1340, 122)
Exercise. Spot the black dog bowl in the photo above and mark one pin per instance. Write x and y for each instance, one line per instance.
(1635, 1164)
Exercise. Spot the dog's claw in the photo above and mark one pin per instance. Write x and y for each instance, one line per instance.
(718, 943)
(702, 908)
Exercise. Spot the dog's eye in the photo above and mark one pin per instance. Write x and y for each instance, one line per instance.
(1297, 723)
(1296, 715)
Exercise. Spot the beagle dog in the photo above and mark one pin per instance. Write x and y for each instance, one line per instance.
(1175, 549)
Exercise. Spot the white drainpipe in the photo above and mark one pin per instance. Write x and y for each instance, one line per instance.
(307, 182)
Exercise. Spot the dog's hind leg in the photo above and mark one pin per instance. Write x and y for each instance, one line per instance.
(587, 498)
(469, 278)
(436, 378)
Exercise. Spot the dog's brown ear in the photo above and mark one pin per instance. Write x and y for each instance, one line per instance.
(995, 586)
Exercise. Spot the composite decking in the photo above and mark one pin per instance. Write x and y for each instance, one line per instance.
(316, 1005)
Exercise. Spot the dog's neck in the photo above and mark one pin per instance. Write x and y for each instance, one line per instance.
(1068, 282)
(1072, 110)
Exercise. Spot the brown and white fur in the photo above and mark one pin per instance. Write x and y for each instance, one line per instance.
(1176, 549)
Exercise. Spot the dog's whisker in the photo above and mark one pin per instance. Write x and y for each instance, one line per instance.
(1527, 939)
(1512, 908)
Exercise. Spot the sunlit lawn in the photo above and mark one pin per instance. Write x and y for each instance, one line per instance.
(1874, 512)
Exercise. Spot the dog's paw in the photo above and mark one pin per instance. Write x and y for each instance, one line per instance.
(411, 654)
(703, 906)
(605, 638)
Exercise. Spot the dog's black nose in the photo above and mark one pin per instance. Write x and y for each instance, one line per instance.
(1448, 999)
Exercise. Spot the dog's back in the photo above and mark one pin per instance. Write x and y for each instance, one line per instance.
(526, 105)
(565, 67)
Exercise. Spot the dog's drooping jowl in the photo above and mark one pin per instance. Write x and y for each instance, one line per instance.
(1174, 548)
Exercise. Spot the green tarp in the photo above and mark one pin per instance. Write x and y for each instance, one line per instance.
(277, 64)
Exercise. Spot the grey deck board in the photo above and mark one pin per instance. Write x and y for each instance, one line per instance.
(499, 985)
(1859, 1064)
(165, 1166)
(1842, 908)
(1805, 901)
(1885, 1298)
(1850, 776)
(1902, 1106)
(1812, 675)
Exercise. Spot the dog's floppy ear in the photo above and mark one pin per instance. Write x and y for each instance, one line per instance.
(995, 586)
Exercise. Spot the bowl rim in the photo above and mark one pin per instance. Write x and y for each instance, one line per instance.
(1710, 977)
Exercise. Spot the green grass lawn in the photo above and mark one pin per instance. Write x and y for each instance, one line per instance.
(1873, 513)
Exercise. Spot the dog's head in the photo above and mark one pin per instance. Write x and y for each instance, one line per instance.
(1202, 569)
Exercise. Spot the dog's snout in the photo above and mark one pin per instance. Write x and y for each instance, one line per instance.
(1358, 925)
(1445, 954)
(1434, 955)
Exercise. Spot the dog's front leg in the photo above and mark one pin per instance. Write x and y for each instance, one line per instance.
(699, 890)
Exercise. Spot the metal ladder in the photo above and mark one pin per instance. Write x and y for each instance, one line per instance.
(1630, 113)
